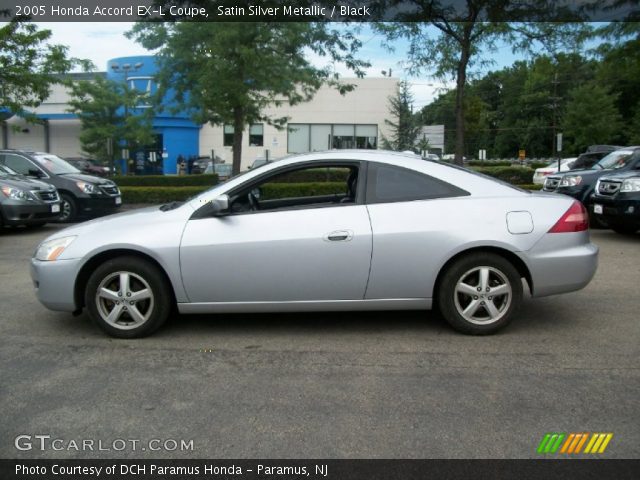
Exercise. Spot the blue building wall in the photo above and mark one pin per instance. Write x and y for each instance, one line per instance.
(180, 135)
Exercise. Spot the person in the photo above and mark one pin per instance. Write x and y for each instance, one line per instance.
(181, 165)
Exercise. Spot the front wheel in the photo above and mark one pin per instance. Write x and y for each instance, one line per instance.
(68, 210)
(127, 297)
(480, 293)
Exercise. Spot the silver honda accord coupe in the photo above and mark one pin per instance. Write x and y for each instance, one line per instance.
(337, 230)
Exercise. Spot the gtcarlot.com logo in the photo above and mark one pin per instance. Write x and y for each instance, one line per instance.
(574, 443)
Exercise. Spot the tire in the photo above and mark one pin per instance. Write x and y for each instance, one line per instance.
(147, 288)
(68, 209)
(458, 291)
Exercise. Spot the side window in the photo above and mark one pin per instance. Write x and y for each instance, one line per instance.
(388, 183)
(18, 164)
(309, 187)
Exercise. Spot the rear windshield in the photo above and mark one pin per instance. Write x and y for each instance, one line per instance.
(55, 164)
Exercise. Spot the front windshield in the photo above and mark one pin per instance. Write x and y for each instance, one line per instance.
(6, 171)
(615, 160)
(55, 164)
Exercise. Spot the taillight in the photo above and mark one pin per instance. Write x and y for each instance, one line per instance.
(575, 219)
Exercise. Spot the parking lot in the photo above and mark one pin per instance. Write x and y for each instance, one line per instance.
(345, 385)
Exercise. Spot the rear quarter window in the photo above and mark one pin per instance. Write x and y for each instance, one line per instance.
(390, 183)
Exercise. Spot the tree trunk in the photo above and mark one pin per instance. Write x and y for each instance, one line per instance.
(461, 81)
(238, 127)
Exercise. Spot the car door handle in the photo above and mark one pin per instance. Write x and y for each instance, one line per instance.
(339, 236)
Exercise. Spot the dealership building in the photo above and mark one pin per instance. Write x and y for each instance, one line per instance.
(330, 120)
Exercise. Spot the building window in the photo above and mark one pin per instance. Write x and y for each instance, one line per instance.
(228, 136)
(298, 138)
(256, 135)
(312, 138)
(367, 137)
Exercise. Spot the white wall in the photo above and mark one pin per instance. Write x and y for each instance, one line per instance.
(367, 104)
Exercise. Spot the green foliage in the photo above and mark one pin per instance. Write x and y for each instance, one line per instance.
(207, 180)
(460, 47)
(156, 195)
(107, 109)
(488, 163)
(230, 73)
(285, 190)
(513, 175)
(406, 125)
(591, 117)
(29, 65)
(315, 175)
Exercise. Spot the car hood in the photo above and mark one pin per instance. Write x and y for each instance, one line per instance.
(620, 176)
(25, 183)
(583, 173)
(88, 178)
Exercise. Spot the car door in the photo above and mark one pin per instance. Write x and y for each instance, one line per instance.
(305, 252)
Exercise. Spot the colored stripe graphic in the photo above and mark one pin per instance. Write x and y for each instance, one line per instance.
(573, 443)
(551, 442)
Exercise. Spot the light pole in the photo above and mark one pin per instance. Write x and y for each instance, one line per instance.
(125, 68)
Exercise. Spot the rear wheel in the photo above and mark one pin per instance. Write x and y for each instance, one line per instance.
(128, 297)
(480, 293)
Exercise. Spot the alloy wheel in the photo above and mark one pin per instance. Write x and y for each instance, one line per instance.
(124, 300)
(483, 295)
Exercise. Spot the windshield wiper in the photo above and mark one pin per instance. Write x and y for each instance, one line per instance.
(170, 206)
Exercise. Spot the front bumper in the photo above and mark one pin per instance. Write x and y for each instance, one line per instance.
(22, 213)
(98, 204)
(624, 208)
(54, 283)
(561, 262)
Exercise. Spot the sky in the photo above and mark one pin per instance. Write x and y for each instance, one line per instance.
(100, 42)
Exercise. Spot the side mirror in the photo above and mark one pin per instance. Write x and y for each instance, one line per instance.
(220, 206)
(33, 172)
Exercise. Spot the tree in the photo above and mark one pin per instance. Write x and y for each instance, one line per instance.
(29, 66)
(406, 127)
(108, 110)
(467, 32)
(591, 117)
(230, 73)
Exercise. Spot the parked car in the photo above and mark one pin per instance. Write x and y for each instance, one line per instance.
(223, 170)
(616, 201)
(24, 201)
(540, 174)
(580, 184)
(396, 233)
(80, 194)
(87, 165)
(200, 164)
(259, 162)
(593, 155)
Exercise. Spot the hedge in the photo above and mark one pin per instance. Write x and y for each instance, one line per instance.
(166, 180)
(488, 163)
(514, 175)
(531, 186)
(156, 195)
(315, 175)
(284, 190)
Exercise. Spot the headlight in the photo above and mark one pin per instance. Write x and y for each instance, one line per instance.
(87, 187)
(51, 249)
(16, 194)
(570, 180)
(631, 185)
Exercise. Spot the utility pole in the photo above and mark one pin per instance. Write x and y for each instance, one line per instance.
(554, 105)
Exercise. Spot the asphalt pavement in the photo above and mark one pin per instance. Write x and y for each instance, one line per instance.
(330, 385)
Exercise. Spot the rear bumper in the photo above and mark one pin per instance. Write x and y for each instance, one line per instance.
(561, 262)
(20, 213)
(54, 283)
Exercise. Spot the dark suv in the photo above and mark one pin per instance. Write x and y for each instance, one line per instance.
(580, 184)
(617, 201)
(80, 194)
(24, 201)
